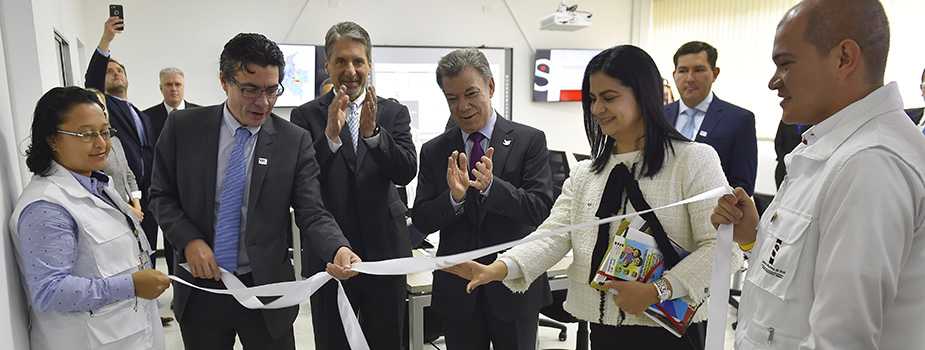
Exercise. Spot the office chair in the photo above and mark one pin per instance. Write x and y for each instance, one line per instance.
(558, 315)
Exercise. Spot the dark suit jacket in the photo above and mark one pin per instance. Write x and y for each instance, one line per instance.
(915, 114)
(360, 183)
(139, 153)
(158, 115)
(518, 201)
(787, 138)
(183, 199)
(730, 129)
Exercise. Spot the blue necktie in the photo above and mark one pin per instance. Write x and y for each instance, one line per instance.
(688, 129)
(353, 121)
(228, 225)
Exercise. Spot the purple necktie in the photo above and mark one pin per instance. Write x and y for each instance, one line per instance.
(476, 153)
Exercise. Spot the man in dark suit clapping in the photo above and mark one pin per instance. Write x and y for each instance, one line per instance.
(363, 145)
(482, 182)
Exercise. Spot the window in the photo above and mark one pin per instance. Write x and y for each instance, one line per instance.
(64, 59)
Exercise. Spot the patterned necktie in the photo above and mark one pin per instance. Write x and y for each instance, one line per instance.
(476, 153)
(353, 121)
(228, 225)
(688, 129)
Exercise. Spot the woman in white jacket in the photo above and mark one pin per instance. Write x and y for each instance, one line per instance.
(631, 143)
(83, 257)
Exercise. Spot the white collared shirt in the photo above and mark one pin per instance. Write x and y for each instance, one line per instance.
(699, 113)
(354, 107)
(840, 257)
(180, 107)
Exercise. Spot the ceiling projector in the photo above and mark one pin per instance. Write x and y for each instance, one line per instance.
(566, 18)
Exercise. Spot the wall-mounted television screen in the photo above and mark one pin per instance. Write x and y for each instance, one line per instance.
(557, 74)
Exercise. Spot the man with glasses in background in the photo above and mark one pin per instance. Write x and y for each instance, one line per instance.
(224, 179)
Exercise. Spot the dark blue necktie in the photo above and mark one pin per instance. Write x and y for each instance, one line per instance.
(228, 223)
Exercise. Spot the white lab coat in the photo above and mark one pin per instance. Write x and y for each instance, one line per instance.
(840, 258)
(106, 247)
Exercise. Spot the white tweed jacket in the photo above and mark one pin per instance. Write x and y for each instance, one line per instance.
(692, 168)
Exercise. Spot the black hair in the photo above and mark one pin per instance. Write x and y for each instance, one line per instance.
(49, 113)
(635, 69)
(250, 48)
(695, 47)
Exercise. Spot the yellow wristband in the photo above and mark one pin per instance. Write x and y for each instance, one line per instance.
(747, 246)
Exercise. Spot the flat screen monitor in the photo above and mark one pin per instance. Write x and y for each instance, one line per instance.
(557, 74)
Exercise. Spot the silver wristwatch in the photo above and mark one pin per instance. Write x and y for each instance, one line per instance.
(663, 288)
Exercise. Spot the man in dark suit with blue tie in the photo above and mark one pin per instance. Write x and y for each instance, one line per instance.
(484, 181)
(916, 113)
(225, 178)
(702, 117)
(364, 148)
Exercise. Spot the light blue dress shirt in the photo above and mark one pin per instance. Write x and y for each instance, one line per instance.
(47, 247)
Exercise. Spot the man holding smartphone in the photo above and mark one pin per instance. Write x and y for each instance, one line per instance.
(132, 125)
(364, 148)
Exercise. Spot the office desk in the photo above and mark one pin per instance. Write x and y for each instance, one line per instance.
(419, 289)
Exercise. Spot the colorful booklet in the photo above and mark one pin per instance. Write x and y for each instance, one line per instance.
(633, 255)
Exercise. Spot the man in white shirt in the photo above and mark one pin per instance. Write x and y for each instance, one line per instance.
(838, 260)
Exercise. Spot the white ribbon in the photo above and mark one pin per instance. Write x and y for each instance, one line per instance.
(719, 290)
(293, 293)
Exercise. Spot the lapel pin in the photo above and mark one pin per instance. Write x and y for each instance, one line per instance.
(506, 142)
(262, 161)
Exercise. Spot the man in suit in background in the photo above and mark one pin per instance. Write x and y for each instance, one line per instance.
(225, 178)
(133, 126)
(916, 113)
(364, 148)
(787, 138)
(172, 87)
(701, 116)
(482, 182)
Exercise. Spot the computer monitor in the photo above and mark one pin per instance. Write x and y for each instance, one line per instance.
(558, 163)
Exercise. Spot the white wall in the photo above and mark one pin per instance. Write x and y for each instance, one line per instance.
(743, 33)
(28, 68)
(190, 35)
(12, 315)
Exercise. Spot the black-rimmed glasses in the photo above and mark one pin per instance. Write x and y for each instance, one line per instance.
(251, 92)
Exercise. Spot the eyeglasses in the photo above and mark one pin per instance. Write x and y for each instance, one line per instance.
(90, 136)
(252, 92)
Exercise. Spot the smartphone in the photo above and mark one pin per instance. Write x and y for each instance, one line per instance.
(117, 11)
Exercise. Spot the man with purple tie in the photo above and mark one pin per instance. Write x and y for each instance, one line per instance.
(484, 181)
